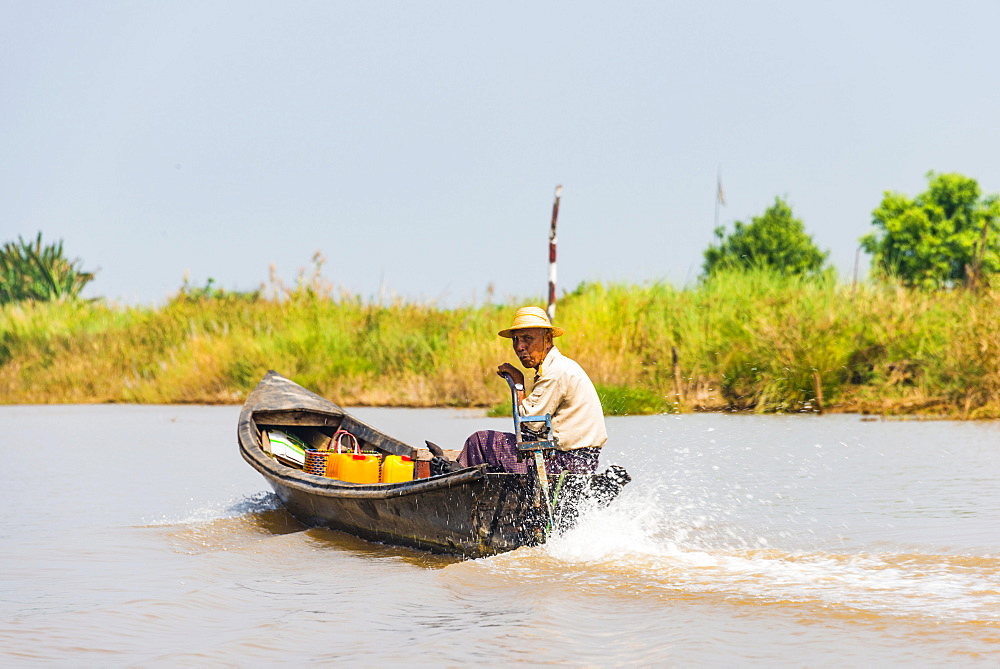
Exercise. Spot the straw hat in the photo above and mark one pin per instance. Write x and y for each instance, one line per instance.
(531, 317)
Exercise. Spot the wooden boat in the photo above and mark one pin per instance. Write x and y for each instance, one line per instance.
(471, 512)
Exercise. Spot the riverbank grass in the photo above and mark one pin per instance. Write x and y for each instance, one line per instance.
(744, 342)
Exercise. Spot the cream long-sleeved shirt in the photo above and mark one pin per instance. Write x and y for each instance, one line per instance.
(564, 390)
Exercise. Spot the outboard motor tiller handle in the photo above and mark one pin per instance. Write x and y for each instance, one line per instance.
(537, 447)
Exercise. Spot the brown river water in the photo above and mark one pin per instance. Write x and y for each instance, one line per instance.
(136, 535)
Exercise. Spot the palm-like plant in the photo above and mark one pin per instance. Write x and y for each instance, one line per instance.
(30, 271)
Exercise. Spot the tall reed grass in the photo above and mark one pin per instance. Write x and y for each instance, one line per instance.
(745, 341)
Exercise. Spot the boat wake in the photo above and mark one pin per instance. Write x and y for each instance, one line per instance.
(229, 525)
(246, 505)
(641, 548)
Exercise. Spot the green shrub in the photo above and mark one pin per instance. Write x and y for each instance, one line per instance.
(30, 271)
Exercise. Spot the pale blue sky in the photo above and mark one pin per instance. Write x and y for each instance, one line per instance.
(418, 144)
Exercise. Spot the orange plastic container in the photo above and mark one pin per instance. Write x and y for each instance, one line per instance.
(339, 456)
(359, 468)
(396, 469)
(335, 463)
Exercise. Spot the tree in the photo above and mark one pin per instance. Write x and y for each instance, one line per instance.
(777, 241)
(30, 271)
(944, 237)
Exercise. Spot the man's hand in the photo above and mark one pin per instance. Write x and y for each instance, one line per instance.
(514, 373)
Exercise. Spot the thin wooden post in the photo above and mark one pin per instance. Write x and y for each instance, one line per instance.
(818, 387)
(857, 259)
(720, 195)
(677, 375)
(552, 257)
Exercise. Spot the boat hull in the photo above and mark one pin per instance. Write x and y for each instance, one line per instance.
(471, 512)
(473, 519)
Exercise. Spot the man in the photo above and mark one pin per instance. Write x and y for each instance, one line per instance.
(561, 388)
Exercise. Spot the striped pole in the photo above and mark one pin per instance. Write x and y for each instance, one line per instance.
(552, 257)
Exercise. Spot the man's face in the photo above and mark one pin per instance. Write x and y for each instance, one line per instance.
(531, 346)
